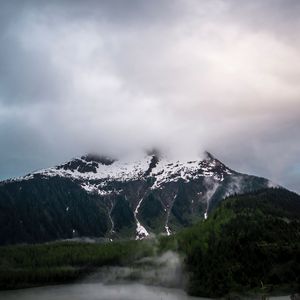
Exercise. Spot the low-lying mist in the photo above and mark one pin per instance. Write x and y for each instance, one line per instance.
(93, 291)
(164, 270)
(159, 277)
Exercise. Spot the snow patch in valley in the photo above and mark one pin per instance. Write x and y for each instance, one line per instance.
(98, 189)
(212, 187)
(112, 229)
(168, 230)
(168, 210)
(140, 230)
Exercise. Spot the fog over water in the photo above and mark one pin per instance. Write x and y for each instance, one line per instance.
(98, 291)
(150, 278)
(93, 291)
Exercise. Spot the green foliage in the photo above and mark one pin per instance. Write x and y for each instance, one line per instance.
(167, 243)
(152, 213)
(249, 242)
(29, 265)
(122, 214)
(181, 207)
(41, 210)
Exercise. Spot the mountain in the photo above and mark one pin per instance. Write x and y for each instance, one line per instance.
(100, 197)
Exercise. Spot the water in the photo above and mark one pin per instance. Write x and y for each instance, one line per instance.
(96, 291)
(100, 291)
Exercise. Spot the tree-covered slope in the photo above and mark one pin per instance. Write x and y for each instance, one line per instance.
(53, 263)
(250, 242)
(40, 210)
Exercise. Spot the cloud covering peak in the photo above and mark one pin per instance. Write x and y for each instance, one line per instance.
(116, 77)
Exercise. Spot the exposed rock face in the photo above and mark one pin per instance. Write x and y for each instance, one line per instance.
(98, 196)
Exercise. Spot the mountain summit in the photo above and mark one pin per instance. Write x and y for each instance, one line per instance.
(101, 197)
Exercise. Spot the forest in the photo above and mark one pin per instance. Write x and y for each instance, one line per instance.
(249, 244)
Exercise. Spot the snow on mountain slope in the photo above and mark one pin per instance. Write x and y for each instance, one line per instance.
(164, 171)
(93, 170)
(155, 193)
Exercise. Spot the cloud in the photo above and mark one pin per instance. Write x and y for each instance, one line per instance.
(121, 76)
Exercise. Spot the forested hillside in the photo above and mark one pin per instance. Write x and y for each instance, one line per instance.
(251, 242)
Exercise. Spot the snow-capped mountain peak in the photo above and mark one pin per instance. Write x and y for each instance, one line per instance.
(132, 196)
(94, 168)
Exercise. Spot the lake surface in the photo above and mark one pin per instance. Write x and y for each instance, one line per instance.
(100, 291)
(96, 291)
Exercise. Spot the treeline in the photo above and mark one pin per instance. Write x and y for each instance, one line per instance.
(30, 265)
(251, 243)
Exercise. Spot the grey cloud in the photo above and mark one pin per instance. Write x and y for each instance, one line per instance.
(26, 76)
(120, 76)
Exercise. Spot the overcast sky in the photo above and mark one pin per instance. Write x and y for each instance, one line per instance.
(116, 77)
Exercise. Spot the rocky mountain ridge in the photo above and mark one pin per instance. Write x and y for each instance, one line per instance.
(124, 198)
